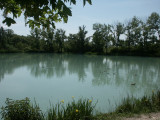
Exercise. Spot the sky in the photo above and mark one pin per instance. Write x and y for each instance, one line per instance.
(101, 11)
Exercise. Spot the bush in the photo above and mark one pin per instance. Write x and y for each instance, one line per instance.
(21, 110)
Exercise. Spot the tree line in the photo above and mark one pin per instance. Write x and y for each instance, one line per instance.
(135, 37)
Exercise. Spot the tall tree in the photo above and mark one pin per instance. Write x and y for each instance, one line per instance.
(71, 43)
(144, 36)
(153, 23)
(119, 30)
(82, 41)
(101, 37)
(50, 39)
(136, 25)
(133, 32)
(128, 34)
(2, 37)
(98, 41)
(36, 34)
(60, 37)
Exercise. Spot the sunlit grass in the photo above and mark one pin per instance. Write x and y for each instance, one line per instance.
(78, 110)
(144, 105)
(131, 106)
(23, 110)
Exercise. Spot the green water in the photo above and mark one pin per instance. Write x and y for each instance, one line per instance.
(50, 78)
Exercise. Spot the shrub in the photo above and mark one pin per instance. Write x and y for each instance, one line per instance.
(21, 110)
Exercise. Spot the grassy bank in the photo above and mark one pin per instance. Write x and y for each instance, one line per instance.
(132, 106)
(78, 110)
(24, 110)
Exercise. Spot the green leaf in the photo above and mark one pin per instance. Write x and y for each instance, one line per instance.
(9, 21)
(67, 11)
(19, 13)
(73, 1)
(84, 2)
(37, 10)
(90, 2)
(65, 19)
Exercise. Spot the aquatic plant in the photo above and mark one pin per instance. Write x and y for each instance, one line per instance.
(80, 110)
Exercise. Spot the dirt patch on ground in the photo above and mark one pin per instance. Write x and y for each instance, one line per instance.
(150, 116)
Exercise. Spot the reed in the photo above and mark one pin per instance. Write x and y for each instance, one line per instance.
(80, 110)
(131, 106)
(144, 105)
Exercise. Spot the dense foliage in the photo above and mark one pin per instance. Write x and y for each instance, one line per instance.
(46, 12)
(136, 37)
(21, 110)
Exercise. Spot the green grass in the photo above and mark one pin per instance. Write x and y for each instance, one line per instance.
(24, 110)
(78, 110)
(131, 106)
(143, 105)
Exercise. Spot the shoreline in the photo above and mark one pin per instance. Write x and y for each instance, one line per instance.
(130, 109)
(88, 53)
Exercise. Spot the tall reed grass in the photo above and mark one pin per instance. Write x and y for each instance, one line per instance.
(80, 110)
(144, 105)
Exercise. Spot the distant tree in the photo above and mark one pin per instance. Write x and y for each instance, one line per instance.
(71, 43)
(50, 38)
(133, 32)
(36, 34)
(153, 23)
(119, 30)
(2, 37)
(107, 34)
(98, 41)
(128, 34)
(101, 37)
(144, 36)
(136, 25)
(60, 37)
(9, 34)
(82, 41)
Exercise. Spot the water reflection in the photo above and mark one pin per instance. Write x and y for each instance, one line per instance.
(143, 72)
(119, 71)
(48, 65)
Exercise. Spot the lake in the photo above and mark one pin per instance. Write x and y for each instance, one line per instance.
(50, 78)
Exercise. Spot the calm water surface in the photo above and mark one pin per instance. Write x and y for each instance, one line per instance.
(53, 77)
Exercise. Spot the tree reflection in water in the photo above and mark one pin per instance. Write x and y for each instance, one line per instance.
(106, 70)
